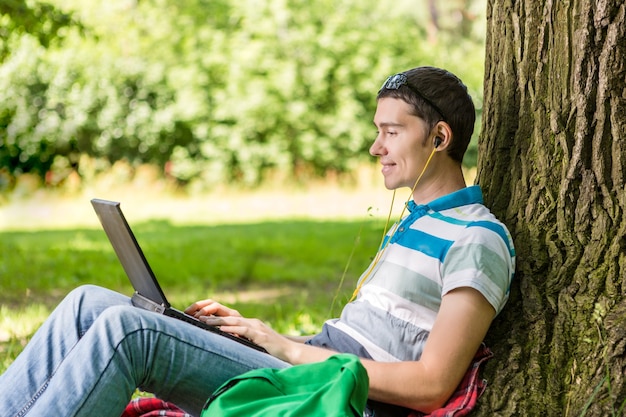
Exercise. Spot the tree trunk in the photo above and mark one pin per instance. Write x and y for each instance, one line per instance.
(552, 163)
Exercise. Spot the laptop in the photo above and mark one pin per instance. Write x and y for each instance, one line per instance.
(148, 294)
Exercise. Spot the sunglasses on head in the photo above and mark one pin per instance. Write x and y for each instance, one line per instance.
(394, 82)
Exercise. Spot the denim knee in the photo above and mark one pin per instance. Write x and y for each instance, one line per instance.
(86, 303)
(86, 291)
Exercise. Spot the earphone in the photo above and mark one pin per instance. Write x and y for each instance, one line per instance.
(438, 141)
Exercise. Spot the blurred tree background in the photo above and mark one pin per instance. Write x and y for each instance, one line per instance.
(214, 91)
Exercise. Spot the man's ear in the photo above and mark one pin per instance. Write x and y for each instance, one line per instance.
(442, 135)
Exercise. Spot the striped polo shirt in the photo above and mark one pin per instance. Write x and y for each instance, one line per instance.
(451, 242)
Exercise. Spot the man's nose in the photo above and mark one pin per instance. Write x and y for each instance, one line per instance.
(376, 148)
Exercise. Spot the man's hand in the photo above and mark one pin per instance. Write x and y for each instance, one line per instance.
(231, 321)
(210, 308)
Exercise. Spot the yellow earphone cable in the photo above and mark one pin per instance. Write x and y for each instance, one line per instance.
(382, 248)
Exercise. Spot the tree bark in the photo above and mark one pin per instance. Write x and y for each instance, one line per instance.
(552, 164)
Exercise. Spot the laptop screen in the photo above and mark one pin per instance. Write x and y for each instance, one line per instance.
(128, 251)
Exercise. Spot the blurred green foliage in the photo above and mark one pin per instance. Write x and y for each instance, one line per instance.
(39, 19)
(215, 91)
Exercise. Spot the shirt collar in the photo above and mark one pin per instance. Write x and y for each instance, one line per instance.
(468, 195)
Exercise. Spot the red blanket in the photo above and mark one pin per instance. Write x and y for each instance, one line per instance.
(460, 404)
(467, 393)
(152, 407)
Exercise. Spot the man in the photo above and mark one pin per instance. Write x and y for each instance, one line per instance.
(421, 311)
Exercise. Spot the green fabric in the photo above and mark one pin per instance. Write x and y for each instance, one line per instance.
(336, 387)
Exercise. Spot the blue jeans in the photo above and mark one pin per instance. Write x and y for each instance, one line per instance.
(95, 349)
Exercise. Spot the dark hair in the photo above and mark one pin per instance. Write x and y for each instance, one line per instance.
(436, 94)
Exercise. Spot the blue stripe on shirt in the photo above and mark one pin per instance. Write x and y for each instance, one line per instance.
(428, 244)
(496, 228)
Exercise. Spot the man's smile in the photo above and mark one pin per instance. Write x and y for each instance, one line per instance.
(387, 167)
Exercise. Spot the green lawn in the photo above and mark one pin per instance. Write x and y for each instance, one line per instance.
(286, 272)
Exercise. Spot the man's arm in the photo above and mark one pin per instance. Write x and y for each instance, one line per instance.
(425, 385)
(299, 339)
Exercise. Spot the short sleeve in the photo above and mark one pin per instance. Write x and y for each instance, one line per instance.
(482, 258)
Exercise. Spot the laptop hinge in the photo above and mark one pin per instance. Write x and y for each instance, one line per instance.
(140, 301)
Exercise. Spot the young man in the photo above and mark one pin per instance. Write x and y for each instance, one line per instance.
(421, 311)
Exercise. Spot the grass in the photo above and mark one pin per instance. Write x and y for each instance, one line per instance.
(284, 272)
(284, 268)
